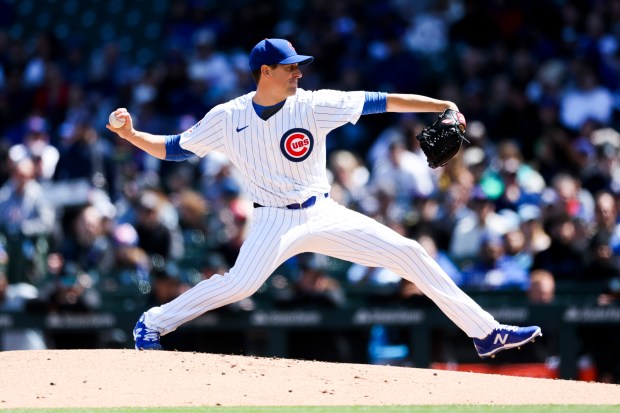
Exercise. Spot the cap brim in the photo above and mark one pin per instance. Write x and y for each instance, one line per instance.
(299, 59)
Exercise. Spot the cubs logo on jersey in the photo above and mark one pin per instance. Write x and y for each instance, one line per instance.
(296, 144)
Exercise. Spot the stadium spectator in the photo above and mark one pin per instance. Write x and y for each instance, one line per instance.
(166, 285)
(401, 130)
(600, 262)
(131, 264)
(232, 221)
(426, 217)
(606, 220)
(601, 171)
(566, 195)
(14, 298)
(603, 252)
(314, 286)
(405, 171)
(518, 183)
(466, 240)
(209, 65)
(535, 237)
(374, 283)
(564, 257)
(36, 146)
(515, 247)
(585, 99)
(195, 225)
(350, 177)
(443, 259)
(68, 290)
(494, 269)
(541, 289)
(25, 217)
(85, 156)
(154, 236)
(5, 162)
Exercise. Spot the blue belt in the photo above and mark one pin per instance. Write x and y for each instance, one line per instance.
(303, 205)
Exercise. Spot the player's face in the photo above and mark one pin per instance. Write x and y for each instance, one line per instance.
(285, 77)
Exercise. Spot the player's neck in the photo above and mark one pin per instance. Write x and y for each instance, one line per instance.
(267, 97)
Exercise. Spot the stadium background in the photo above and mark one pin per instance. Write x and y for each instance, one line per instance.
(119, 231)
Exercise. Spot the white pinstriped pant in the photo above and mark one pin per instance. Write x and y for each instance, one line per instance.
(330, 229)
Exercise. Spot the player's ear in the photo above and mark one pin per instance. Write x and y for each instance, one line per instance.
(266, 71)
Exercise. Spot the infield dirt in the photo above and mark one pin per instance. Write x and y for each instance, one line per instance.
(122, 378)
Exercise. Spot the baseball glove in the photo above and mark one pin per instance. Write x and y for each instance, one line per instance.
(442, 140)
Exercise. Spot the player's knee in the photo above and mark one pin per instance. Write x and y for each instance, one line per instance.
(417, 247)
(402, 257)
(243, 290)
(235, 288)
(409, 246)
(414, 249)
(421, 250)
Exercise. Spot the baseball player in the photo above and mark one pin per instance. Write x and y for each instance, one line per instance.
(276, 137)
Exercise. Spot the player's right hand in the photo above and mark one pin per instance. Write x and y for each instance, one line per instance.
(126, 130)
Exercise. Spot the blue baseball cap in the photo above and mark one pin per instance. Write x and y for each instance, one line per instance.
(276, 51)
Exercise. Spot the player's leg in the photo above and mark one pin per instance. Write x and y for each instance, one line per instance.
(273, 238)
(354, 237)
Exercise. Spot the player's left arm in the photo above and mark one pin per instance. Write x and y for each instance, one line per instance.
(403, 103)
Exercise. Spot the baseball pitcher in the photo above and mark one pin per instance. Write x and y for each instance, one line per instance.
(276, 137)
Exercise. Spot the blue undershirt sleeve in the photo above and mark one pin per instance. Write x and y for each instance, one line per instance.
(376, 102)
(174, 152)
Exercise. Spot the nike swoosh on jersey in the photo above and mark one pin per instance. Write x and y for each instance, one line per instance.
(240, 129)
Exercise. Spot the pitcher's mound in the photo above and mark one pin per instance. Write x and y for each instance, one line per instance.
(120, 378)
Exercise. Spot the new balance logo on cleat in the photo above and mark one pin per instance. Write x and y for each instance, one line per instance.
(505, 337)
(500, 339)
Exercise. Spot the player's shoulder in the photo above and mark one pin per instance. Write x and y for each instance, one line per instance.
(238, 103)
(320, 95)
(303, 94)
(242, 101)
(328, 97)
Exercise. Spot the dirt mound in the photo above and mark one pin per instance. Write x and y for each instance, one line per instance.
(118, 378)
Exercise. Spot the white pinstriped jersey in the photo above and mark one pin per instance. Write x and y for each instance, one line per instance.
(283, 158)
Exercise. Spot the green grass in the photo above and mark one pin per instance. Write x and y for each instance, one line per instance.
(351, 409)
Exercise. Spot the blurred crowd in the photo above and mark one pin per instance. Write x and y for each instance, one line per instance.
(531, 202)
